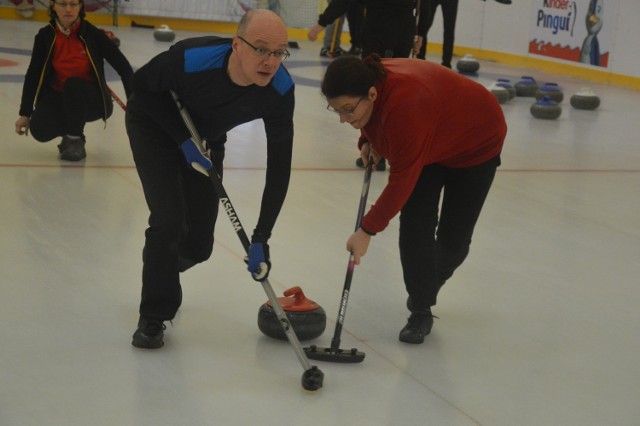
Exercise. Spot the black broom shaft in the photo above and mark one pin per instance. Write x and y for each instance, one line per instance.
(335, 341)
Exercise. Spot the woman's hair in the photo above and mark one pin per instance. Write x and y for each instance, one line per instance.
(352, 76)
(53, 13)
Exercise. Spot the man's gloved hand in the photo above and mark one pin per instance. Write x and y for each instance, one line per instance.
(199, 161)
(258, 261)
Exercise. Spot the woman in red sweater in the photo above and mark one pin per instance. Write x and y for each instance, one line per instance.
(442, 135)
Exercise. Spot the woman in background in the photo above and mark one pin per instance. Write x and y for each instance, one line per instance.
(65, 85)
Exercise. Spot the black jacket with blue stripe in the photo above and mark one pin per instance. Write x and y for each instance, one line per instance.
(196, 69)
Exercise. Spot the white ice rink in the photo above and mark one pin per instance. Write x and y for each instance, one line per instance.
(540, 325)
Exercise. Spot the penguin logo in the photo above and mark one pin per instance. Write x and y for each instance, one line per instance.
(590, 52)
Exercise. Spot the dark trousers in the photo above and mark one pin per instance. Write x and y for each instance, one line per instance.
(449, 14)
(432, 246)
(355, 17)
(183, 208)
(65, 113)
(390, 35)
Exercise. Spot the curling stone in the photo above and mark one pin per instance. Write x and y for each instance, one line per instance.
(501, 93)
(506, 83)
(585, 99)
(552, 90)
(307, 318)
(25, 8)
(527, 87)
(164, 33)
(468, 64)
(546, 109)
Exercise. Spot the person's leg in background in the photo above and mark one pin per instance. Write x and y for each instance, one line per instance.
(331, 41)
(449, 15)
(66, 113)
(355, 17)
(82, 102)
(427, 13)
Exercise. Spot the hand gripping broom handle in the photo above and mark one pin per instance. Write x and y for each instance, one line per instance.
(237, 226)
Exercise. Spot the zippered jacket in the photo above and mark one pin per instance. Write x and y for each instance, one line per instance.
(99, 47)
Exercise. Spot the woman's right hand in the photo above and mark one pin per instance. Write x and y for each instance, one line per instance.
(22, 125)
(365, 151)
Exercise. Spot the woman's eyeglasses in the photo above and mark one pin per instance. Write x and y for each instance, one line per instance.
(348, 112)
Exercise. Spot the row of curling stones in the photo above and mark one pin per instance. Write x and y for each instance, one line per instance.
(307, 318)
(548, 96)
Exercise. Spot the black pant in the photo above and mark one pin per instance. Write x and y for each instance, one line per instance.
(449, 14)
(66, 113)
(355, 17)
(388, 33)
(183, 209)
(431, 248)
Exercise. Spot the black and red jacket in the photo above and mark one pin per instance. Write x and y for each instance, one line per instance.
(99, 47)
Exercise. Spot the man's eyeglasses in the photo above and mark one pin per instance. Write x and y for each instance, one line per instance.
(72, 4)
(280, 55)
(348, 112)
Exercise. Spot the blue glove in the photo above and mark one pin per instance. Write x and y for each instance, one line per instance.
(199, 161)
(258, 261)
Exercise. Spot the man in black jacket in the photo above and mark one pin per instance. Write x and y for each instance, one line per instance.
(222, 83)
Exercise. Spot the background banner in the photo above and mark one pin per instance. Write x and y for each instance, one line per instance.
(574, 30)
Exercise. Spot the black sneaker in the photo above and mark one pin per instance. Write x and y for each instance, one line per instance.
(381, 166)
(355, 51)
(72, 149)
(62, 146)
(149, 335)
(418, 326)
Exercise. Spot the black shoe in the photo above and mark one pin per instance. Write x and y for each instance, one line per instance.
(326, 53)
(72, 149)
(381, 166)
(149, 335)
(62, 146)
(418, 326)
(355, 51)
